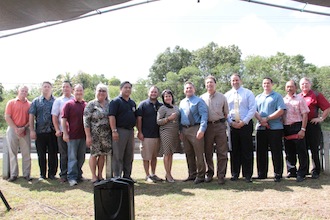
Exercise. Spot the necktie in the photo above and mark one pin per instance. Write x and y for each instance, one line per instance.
(236, 107)
(190, 116)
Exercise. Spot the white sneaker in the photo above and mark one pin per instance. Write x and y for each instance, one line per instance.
(150, 180)
(72, 182)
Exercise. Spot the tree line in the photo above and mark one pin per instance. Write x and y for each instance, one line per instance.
(173, 67)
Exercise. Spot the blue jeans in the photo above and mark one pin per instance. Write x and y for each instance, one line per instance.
(76, 158)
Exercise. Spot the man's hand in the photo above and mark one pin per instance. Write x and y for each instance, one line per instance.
(200, 135)
(140, 136)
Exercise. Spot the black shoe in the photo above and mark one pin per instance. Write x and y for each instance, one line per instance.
(208, 179)
(234, 178)
(131, 179)
(199, 180)
(248, 180)
(12, 179)
(51, 177)
(300, 179)
(277, 178)
(28, 178)
(315, 175)
(291, 175)
(190, 178)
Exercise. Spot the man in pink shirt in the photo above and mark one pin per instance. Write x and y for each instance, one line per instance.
(295, 122)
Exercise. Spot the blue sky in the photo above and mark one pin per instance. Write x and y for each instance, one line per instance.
(125, 43)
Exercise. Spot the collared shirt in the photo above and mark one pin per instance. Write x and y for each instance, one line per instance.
(198, 109)
(73, 111)
(124, 111)
(148, 111)
(296, 106)
(217, 105)
(247, 104)
(314, 102)
(267, 104)
(41, 108)
(58, 107)
(18, 111)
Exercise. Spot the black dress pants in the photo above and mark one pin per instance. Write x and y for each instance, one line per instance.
(47, 142)
(313, 141)
(269, 139)
(241, 154)
(294, 147)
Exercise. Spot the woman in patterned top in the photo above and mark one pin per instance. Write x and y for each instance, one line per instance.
(97, 129)
(168, 121)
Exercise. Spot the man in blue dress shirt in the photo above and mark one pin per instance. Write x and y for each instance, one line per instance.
(194, 117)
(242, 107)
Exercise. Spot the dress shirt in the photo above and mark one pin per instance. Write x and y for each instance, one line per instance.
(217, 105)
(247, 104)
(296, 106)
(198, 109)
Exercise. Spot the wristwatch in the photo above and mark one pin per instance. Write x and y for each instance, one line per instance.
(114, 130)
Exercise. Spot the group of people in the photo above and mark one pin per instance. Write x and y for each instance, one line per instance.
(200, 124)
(66, 125)
(197, 127)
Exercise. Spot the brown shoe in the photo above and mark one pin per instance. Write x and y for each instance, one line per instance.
(221, 180)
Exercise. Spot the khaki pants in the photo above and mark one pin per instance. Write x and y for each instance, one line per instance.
(194, 150)
(14, 144)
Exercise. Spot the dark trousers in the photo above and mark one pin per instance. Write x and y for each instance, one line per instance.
(216, 133)
(313, 141)
(63, 149)
(241, 154)
(269, 139)
(294, 147)
(123, 153)
(46, 142)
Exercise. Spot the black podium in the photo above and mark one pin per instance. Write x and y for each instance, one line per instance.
(114, 199)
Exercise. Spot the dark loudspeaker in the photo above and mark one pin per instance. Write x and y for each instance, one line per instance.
(114, 199)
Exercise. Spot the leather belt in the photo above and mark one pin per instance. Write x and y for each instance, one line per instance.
(222, 120)
(188, 126)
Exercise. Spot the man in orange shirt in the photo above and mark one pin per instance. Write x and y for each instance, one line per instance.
(18, 133)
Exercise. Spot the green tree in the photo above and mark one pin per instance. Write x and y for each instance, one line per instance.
(169, 61)
(114, 81)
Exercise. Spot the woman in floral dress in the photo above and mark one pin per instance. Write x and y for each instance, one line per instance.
(97, 129)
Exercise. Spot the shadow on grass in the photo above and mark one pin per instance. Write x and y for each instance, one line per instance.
(184, 188)
(53, 185)
(180, 187)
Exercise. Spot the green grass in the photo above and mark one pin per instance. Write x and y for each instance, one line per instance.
(234, 200)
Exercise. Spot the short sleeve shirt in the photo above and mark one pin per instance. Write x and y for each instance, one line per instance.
(148, 111)
(296, 106)
(315, 101)
(58, 107)
(18, 111)
(41, 108)
(267, 104)
(124, 112)
(73, 111)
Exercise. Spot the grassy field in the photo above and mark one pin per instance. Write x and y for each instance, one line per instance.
(234, 200)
